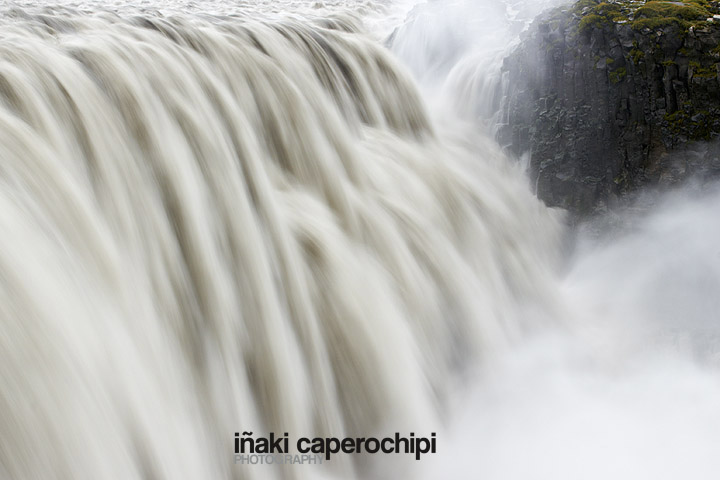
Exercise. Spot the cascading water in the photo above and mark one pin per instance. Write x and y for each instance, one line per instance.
(628, 386)
(220, 218)
(630, 390)
(455, 50)
(214, 225)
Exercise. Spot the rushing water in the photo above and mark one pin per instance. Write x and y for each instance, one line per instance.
(253, 216)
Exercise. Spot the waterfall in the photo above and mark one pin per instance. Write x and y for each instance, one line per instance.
(455, 49)
(223, 223)
(223, 217)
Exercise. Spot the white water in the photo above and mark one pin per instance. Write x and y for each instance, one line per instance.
(455, 50)
(631, 391)
(226, 217)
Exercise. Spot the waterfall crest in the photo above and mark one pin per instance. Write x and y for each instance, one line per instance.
(222, 224)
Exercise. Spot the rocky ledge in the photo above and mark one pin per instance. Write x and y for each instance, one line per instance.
(601, 94)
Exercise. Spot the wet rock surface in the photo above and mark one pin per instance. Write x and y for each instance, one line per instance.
(608, 97)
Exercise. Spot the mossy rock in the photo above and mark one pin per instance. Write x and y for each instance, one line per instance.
(694, 125)
(652, 14)
(616, 76)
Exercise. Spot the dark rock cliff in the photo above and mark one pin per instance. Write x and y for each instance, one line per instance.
(600, 93)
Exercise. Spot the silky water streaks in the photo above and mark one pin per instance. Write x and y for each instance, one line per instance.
(221, 223)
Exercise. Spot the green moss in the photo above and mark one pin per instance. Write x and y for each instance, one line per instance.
(657, 14)
(668, 63)
(652, 14)
(600, 14)
(681, 123)
(656, 23)
(689, 10)
(616, 76)
(675, 117)
(610, 10)
(704, 72)
(698, 70)
(588, 22)
(636, 54)
(582, 5)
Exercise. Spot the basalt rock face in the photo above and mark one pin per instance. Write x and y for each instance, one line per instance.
(602, 94)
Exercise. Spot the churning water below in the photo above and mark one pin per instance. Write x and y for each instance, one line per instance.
(628, 388)
(249, 216)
